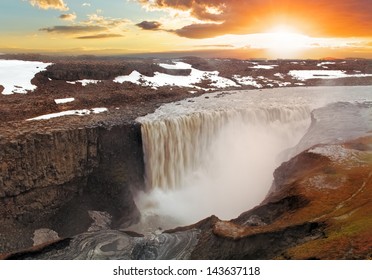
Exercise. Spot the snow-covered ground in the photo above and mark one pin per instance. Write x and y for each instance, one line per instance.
(303, 75)
(215, 81)
(247, 81)
(196, 77)
(16, 75)
(82, 112)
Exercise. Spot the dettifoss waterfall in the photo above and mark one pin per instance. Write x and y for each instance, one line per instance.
(216, 155)
(178, 148)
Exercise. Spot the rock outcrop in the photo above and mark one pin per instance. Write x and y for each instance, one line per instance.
(51, 180)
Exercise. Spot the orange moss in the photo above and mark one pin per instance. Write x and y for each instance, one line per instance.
(345, 209)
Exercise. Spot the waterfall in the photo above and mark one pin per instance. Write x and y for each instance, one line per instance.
(197, 162)
(175, 147)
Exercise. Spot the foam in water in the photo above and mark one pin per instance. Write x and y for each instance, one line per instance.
(217, 155)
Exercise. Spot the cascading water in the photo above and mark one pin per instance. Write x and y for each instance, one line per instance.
(178, 147)
(217, 155)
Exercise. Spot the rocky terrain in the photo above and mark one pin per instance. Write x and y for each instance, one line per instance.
(68, 174)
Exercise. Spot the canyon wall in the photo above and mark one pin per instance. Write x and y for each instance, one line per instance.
(51, 179)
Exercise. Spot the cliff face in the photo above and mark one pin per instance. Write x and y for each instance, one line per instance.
(51, 180)
(34, 162)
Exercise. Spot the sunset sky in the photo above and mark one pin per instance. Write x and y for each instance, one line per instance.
(235, 28)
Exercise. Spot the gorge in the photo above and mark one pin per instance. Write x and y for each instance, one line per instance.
(269, 173)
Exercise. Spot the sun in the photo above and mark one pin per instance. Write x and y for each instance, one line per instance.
(284, 41)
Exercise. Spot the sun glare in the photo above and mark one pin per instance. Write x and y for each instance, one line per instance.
(285, 42)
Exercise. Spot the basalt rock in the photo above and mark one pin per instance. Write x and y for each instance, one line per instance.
(51, 180)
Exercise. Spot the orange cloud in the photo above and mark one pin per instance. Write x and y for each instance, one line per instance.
(342, 18)
(49, 4)
(100, 36)
(74, 29)
(95, 27)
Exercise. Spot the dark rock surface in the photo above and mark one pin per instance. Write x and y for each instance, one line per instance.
(51, 180)
(114, 245)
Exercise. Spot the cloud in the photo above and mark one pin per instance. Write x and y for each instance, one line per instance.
(149, 25)
(49, 4)
(342, 18)
(200, 31)
(86, 5)
(100, 36)
(95, 19)
(225, 46)
(95, 27)
(73, 29)
(68, 17)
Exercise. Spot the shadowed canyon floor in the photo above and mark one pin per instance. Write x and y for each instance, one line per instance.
(67, 184)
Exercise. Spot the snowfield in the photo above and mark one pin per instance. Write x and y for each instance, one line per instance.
(16, 75)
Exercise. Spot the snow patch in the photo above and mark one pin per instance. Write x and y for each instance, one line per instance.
(87, 82)
(84, 82)
(279, 75)
(16, 75)
(246, 81)
(82, 112)
(339, 154)
(271, 83)
(303, 75)
(177, 65)
(283, 84)
(196, 76)
(321, 64)
(267, 67)
(64, 100)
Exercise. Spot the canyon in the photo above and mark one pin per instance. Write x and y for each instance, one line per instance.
(90, 179)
